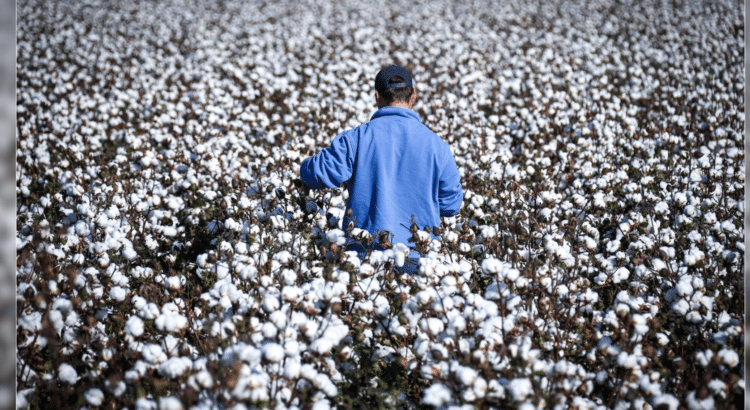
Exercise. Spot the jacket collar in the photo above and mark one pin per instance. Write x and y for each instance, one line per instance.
(395, 111)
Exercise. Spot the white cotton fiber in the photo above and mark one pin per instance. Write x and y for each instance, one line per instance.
(67, 373)
(437, 395)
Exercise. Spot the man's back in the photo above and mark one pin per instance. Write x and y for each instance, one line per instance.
(395, 167)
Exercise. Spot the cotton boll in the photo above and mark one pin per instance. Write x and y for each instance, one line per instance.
(661, 208)
(149, 311)
(292, 348)
(270, 303)
(681, 307)
(336, 236)
(292, 369)
(289, 277)
(204, 379)
(491, 266)
(134, 326)
(718, 387)
(82, 228)
(729, 357)
(613, 246)
(291, 294)
(480, 387)
(309, 328)
(698, 404)
(118, 294)
(273, 352)
(620, 275)
(323, 383)
(432, 325)
(684, 287)
(170, 403)
(466, 375)
(129, 253)
(322, 346)
(94, 397)
(694, 256)
(667, 400)
(175, 367)
(437, 395)
(601, 278)
(658, 264)
(269, 330)
(519, 389)
(694, 317)
(153, 353)
(67, 373)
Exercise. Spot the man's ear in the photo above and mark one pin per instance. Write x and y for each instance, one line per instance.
(413, 98)
(377, 99)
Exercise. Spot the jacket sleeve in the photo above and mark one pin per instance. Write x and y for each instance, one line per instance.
(332, 166)
(450, 192)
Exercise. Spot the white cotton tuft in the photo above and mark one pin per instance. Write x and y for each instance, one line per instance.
(437, 395)
(620, 275)
(129, 253)
(519, 389)
(153, 353)
(170, 403)
(729, 357)
(94, 396)
(270, 302)
(134, 326)
(273, 352)
(67, 374)
(175, 367)
(118, 293)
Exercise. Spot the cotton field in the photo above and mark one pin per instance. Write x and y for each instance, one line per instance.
(168, 257)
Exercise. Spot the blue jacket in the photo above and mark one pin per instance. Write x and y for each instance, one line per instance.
(394, 167)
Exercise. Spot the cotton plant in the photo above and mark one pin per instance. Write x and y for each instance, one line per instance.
(168, 257)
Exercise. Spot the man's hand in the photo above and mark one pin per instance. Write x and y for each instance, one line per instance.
(302, 199)
(300, 184)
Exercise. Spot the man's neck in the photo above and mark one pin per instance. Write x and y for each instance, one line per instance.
(399, 104)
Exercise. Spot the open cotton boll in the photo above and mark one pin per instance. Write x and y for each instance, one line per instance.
(170, 403)
(519, 389)
(336, 236)
(437, 395)
(685, 286)
(273, 352)
(620, 275)
(270, 302)
(695, 403)
(292, 368)
(291, 294)
(694, 256)
(170, 319)
(465, 375)
(153, 353)
(269, 330)
(289, 277)
(729, 357)
(134, 326)
(323, 383)
(432, 325)
(118, 293)
(67, 373)
(175, 367)
(94, 396)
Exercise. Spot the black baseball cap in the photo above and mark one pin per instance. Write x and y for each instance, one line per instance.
(383, 79)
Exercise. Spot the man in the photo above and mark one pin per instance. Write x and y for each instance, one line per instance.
(393, 166)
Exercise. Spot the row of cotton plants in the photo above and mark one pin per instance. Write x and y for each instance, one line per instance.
(168, 257)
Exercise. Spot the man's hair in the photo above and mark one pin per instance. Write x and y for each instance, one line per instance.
(402, 94)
